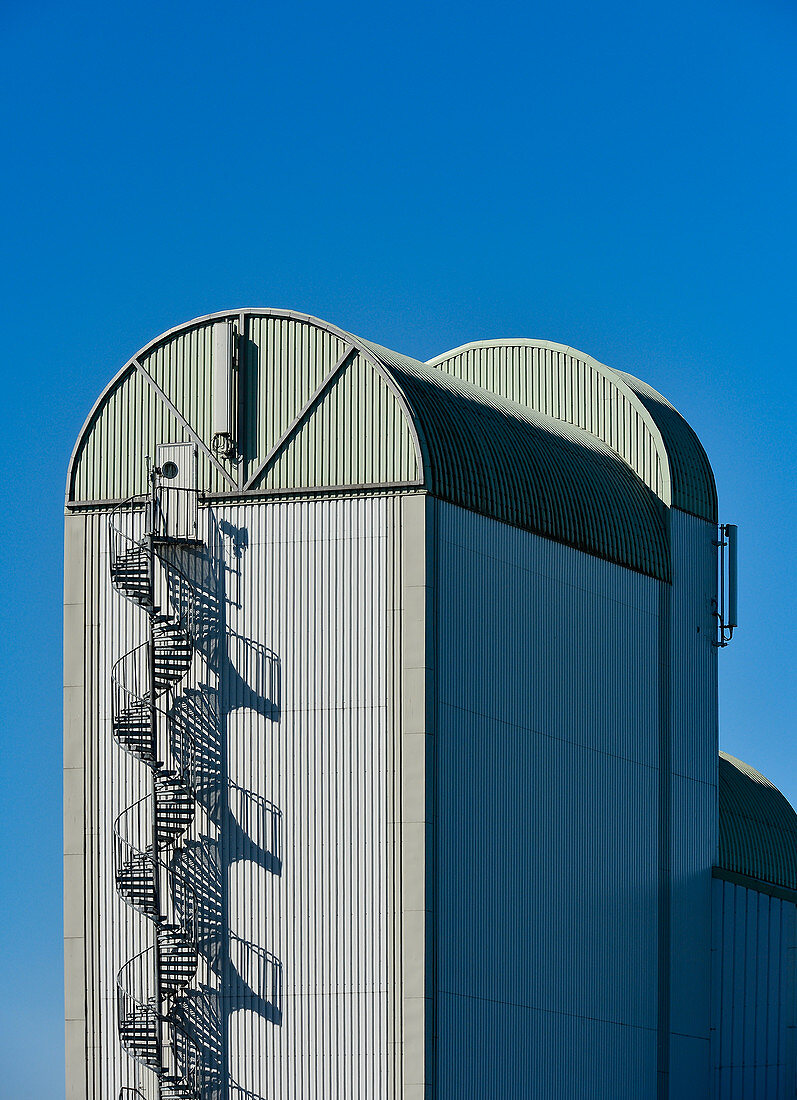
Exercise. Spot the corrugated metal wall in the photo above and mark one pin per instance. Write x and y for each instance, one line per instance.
(372, 440)
(754, 1010)
(547, 791)
(286, 360)
(693, 796)
(357, 434)
(312, 593)
(182, 367)
(557, 381)
(114, 933)
(294, 850)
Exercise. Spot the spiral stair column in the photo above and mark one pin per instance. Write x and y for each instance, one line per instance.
(149, 984)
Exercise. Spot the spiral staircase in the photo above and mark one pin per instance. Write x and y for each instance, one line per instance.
(148, 833)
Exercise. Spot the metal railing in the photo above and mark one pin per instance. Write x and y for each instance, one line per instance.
(162, 1046)
(143, 683)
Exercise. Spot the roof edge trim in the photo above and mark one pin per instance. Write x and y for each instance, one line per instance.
(737, 878)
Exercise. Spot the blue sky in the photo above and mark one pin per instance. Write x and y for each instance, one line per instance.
(618, 177)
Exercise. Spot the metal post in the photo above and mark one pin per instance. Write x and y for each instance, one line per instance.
(153, 726)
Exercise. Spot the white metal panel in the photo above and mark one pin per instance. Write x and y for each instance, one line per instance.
(114, 780)
(309, 852)
(178, 494)
(295, 846)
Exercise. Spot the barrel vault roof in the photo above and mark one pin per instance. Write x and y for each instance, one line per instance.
(627, 414)
(757, 826)
(322, 410)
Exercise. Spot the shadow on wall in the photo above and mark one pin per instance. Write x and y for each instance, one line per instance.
(243, 675)
(256, 979)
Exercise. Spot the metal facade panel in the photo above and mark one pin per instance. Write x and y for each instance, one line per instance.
(358, 435)
(182, 366)
(110, 462)
(694, 656)
(693, 817)
(294, 850)
(754, 994)
(547, 842)
(286, 360)
(567, 385)
(311, 853)
(692, 690)
(114, 781)
(757, 826)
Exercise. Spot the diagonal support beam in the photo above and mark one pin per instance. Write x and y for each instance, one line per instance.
(289, 433)
(179, 416)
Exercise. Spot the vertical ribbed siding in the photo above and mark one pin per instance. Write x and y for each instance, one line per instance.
(182, 366)
(357, 435)
(114, 781)
(312, 733)
(561, 384)
(547, 755)
(754, 995)
(110, 464)
(286, 360)
(693, 766)
(294, 850)
(372, 440)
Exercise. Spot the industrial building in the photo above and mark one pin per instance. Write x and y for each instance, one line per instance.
(391, 762)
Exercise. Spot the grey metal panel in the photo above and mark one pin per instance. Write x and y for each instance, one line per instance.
(571, 386)
(754, 994)
(182, 366)
(692, 689)
(418, 811)
(109, 463)
(693, 818)
(286, 360)
(547, 753)
(74, 779)
(114, 933)
(694, 657)
(757, 826)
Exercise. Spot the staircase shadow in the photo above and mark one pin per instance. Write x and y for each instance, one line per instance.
(249, 826)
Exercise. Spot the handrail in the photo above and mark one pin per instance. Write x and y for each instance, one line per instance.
(143, 681)
(178, 1052)
(183, 896)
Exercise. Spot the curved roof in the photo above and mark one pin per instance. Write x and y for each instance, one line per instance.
(757, 826)
(643, 427)
(499, 458)
(323, 409)
(693, 487)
